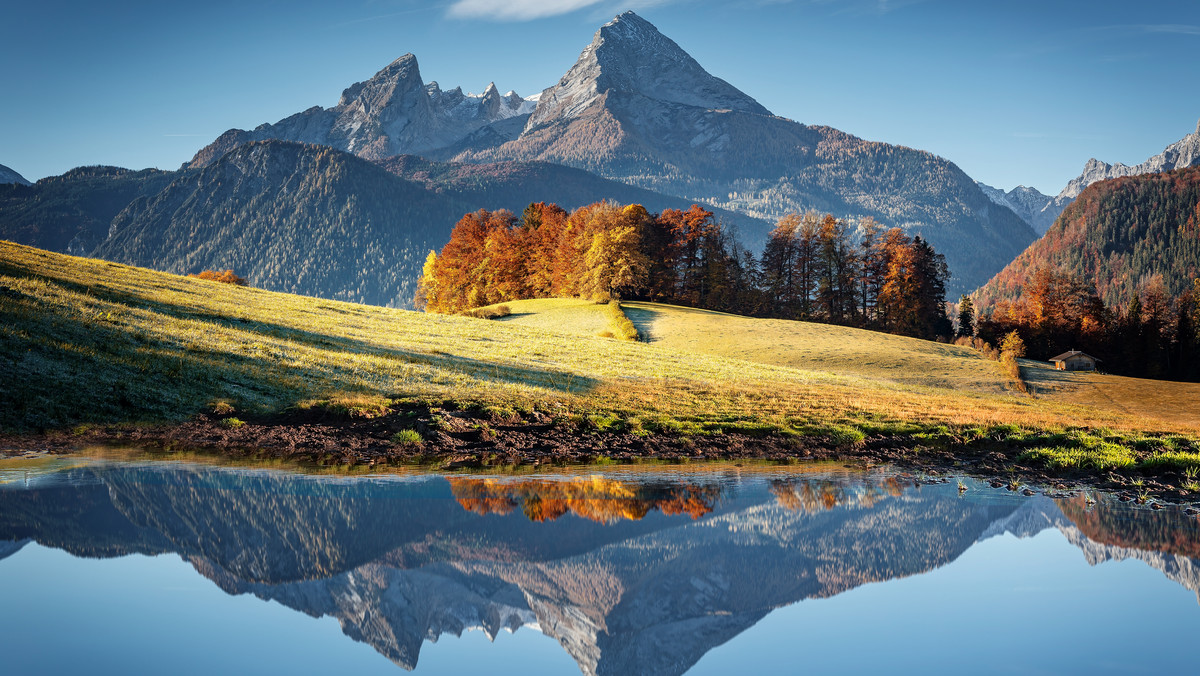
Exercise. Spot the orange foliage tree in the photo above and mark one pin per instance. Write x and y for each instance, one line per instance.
(224, 276)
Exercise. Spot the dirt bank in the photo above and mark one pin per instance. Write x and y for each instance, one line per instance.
(459, 439)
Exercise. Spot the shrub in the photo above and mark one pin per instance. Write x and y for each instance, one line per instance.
(1013, 370)
(489, 312)
(621, 326)
(982, 346)
(233, 423)
(1013, 345)
(225, 277)
(221, 407)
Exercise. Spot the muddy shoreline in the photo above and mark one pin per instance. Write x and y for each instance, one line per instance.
(461, 440)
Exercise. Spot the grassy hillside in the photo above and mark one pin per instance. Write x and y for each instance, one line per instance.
(83, 340)
(803, 345)
(863, 354)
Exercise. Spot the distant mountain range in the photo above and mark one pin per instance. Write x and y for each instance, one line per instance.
(1030, 204)
(1040, 211)
(1118, 235)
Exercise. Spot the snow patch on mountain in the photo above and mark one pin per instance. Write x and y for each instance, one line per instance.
(629, 55)
(392, 113)
(9, 176)
(1029, 203)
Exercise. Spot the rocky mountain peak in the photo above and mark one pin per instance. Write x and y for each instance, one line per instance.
(1183, 153)
(628, 55)
(400, 76)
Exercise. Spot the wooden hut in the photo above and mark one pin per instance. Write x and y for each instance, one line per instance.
(1074, 360)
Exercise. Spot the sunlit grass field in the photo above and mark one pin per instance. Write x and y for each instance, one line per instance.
(87, 341)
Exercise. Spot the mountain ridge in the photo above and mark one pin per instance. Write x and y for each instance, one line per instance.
(8, 175)
(1041, 211)
(391, 113)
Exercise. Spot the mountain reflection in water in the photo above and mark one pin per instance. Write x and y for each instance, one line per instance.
(631, 572)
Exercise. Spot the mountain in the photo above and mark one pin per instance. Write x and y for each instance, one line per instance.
(72, 213)
(1030, 204)
(290, 217)
(636, 108)
(514, 185)
(1040, 211)
(392, 113)
(9, 176)
(1118, 235)
(1183, 153)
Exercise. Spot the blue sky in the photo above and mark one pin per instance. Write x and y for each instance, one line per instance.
(1013, 92)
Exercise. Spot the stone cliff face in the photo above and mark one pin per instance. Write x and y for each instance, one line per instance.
(1183, 153)
(628, 55)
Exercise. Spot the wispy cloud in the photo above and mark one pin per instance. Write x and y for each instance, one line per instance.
(1037, 135)
(1177, 28)
(850, 6)
(527, 10)
(515, 10)
(380, 17)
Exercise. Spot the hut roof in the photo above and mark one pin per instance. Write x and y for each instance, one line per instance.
(1072, 353)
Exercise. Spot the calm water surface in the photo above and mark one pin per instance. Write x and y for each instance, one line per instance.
(122, 566)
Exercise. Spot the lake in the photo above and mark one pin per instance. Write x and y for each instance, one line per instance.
(114, 564)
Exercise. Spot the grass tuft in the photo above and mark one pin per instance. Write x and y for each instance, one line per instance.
(407, 438)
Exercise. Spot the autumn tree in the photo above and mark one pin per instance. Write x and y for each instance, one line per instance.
(615, 262)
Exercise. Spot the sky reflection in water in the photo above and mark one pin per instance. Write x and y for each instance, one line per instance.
(135, 567)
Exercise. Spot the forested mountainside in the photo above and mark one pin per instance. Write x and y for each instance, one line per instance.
(515, 185)
(1114, 277)
(290, 217)
(265, 211)
(72, 213)
(1118, 235)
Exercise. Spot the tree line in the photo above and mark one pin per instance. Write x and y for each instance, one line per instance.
(1150, 335)
(813, 267)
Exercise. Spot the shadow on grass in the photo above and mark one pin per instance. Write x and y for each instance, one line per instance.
(643, 319)
(63, 368)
